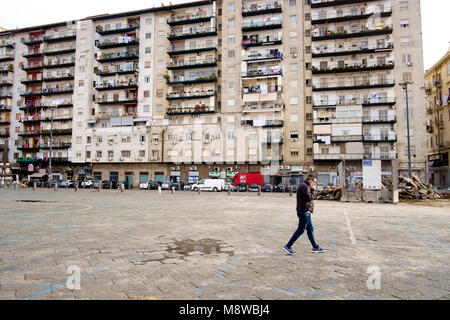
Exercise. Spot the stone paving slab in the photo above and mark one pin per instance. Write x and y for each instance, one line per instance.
(142, 245)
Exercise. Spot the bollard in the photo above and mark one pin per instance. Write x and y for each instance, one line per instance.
(34, 186)
(76, 188)
(198, 190)
(15, 186)
(173, 190)
(229, 190)
(290, 191)
(122, 188)
(55, 187)
(99, 187)
(259, 190)
(159, 190)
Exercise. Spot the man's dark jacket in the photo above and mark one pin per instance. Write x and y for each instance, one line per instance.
(305, 197)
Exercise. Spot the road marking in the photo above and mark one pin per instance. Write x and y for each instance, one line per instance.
(350, 231)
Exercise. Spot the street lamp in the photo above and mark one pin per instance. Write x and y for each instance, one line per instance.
(51, 145)
(404, 85)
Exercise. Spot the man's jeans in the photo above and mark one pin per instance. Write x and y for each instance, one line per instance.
(303, 223)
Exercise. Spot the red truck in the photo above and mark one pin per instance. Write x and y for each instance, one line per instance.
(248, 178)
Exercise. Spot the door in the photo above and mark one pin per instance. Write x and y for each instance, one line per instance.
(323, 178)
(159, 177)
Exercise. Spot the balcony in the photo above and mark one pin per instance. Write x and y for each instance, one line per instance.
(379, 119)
(60, 64)
(379, 101)
(32, 67)
(33, 54)
(183, 96)
(108, 86)
(261, 25)
(47, 118)
(190, 64)
(198, 109)
(332, 3)
(177, 50)
(57, 145)
(4, 95)
(67, 77)
(272, 141)
(338, 156)
(392, 137)
(354, 85)
(347, 15)
(57, 90)
(354, 68)
(129, 41)
(353, 50)
(57, 132)
(263, 73)
(104, 32)
(6, 68)
(32, 93)
(6, 44)
(261, 93)
(380, 155)
(31, 79)
(196, 33)
(250, 42)
(31, 119)
(333, 120)
(5, 121)
(30, 133)
(263, 57)
(346, 138)
(120, 71)
(5, 108)
(258, 108)
(190, 19)
(61, 50)
(33, 41)
(29, 148)
(118, 56)
(192, 80)
(6, 83)
(260, 9)
(4, 134)
(6, 57)
(39, 105)
(118, 101)
(65, 36)
(353, 34)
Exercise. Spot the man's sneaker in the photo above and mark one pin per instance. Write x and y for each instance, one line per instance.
(289, 250)
(318, 250)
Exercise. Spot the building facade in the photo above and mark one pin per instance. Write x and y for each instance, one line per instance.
(437, 89)
(211, 88)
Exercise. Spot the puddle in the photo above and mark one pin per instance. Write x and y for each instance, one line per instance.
(206, 246)
(42, 201)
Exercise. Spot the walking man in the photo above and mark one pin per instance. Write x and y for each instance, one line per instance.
(305, 208)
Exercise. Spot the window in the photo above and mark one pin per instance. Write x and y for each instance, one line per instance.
(81, 83)
(231, 39)
(148, 49)
(231, 6)
(404, 23)
(142, 153)
(149, 21)
(309, 134)
(293, 100)
(231, 70)
(292, 2)
(293, 67)
(161, 20)
(294, 117)
(160, 78)
(126, 153)
(231, 22)
(294, 152)
(82, 69)
(110, 153)
(148, 35)
(146, 108)
(230, 102)
(78, 140)
(407, 76)
(160, 49)
(406, 58)
(293, 51)
(147, 79)
(413, 150)
(147, 64)
(159, 93)
(231, 85)
(293, 18)
(307, 16)
(307, 33)
(146, 93)
(294, 135)
(159, 107)
(99, 154)
(406, 41)
(230, 53)
(307, 49)
(309, 151)
(88, 154)
(88, 140)
(403, 5)
(230, 135)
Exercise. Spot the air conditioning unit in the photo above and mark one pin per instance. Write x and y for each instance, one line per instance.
(229, 169)
(287, 167)
(409, 64)
(172, 168)
(140, 158)
(217, 169)
(142, 143)
(110, 143)
(281, 167)
(177, 168)
(121, 158)
(97, 159)
(156, 142)
(294, 55)
(311, 169)
(97, 144)
(193, 168)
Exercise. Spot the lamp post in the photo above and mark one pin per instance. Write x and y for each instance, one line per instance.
(51, 145)
(404, 85)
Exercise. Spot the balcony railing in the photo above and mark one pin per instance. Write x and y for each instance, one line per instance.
(191, 18)
(198, 109)
(259, 89)
(57, 90)
(126, 41)
(120, 71)
(117, 86)
(199, 47)
(32, 118)
(261, 8)
(32, 53)
(363, 32)
(344, 15)
(35, 92)
(197, 95)
(60, 50)
(262, 24)
(59, 63)
(63, 36)
(6, 57)
(255, 108)
(347, 138)
(180, 64)
(6, 68)
(347, 50)
(353, 84)
(33, 40)
(332, 3)
(333, 119)
(380, 137)
(379, 119)
(32, 66)
(128, 28)
(4, 133)
(262, 73)
(338, 156)
(125, 100)
(360, 67)
(195, 79)
(195, 33)
(265, 56)
(6, 82)
(117, 56)
(381, 155)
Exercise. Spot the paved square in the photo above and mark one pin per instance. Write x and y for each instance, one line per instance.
(142, 245)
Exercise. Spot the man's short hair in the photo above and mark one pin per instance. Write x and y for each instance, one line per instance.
(310, 177)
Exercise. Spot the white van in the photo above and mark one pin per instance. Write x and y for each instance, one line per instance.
(209, 185)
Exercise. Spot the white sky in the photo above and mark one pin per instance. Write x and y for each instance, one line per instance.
(26, 13)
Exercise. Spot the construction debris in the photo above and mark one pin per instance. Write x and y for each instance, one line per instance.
(330, 193)
(413, 188)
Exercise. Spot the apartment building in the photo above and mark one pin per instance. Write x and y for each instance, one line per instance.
(437, 89)
(211, 88)
(362, 50)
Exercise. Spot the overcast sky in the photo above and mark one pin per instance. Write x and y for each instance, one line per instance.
(25, 13)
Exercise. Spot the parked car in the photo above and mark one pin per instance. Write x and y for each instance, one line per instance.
(164, 186)
(64, 184)
(144, 185)
(280, 188)
(86, 183)
(294, 188)
(230, 185)
(153, 185)
(56, 182)
(254, 188)
(174, 185)
(320, 186)
(106, 184)
(120, 183)
(187, 187)
(209, 185)
(96, 183)
(242, 187)
(268, 188)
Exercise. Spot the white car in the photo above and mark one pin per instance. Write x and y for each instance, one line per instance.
(86, 184)
(209, 185)
(144, 185)
(187, 187)
(165, 186)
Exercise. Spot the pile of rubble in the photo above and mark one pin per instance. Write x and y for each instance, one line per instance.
(330, 193)
(413, 188)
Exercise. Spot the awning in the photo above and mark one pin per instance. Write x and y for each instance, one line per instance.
(38, 175)
(141, 119)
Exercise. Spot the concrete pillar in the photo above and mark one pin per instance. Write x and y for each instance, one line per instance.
(290, 191)
(159, 190)
(173, 190)
(15, 186)
(55, 187)
(122, 188)
(76, 187)
(259, 190)
(199, 190)
(34, 186)
(229, 190)
(99, 187)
